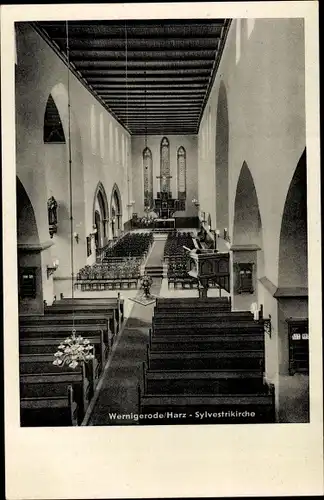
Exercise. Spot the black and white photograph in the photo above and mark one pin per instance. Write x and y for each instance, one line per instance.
(162, 212)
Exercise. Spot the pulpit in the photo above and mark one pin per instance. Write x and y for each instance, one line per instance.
(207, 264)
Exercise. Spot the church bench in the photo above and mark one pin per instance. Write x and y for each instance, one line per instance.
(189, 327)
(189, 301)
(47, 385)
(203, 381)
(200, 360)
(203, 315)
(69, 321)
(174, 409)
(42, 362)
(87, 309)
(49, 411)
(176, 342)
(39, 339)
(117, 304)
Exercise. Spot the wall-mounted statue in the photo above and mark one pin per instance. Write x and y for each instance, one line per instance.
(52, 215)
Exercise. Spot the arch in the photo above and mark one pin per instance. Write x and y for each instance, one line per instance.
(100, 206)
(148, 177)
(292, 268)
(115, 200)
(182, 173)
(248, 253)
(29, 263)
(53, 132)
(165, 165)
(247, 226)
(27, 231)
(98, 234)
(116, 210)
(221, 159)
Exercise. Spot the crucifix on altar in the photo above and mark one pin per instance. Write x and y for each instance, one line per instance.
(164, 183)
(164, 205)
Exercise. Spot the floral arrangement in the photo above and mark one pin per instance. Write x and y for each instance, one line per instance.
(72, 351)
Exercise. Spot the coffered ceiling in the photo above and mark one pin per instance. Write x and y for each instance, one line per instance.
(153, 76)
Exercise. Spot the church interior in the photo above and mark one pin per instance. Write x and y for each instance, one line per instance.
(162, 222)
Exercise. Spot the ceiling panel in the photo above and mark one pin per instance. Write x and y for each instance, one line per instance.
(153, 76)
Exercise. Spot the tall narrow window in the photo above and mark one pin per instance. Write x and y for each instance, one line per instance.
(111, 142)
(93, 130)
(181, 160)
(53, 129)
(165, 166)
(123, 149)
(116, 145)
(148, 177)
(102, 136)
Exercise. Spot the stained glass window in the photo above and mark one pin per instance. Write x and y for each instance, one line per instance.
(181, 160)
(165, 166)
(148, 177)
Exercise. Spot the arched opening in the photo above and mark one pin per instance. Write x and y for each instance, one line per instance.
(100, 216)
(292, 270)
(148, 177)
(30, 286)
(116, 211)
(292, 298)
(165, 165)
(98, 235)
(221, 160)
(248, 259)
(53, 132)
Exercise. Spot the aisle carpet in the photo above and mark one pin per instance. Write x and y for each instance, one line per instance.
(119, 391)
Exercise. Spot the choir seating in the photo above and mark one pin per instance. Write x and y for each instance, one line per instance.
(205, 360)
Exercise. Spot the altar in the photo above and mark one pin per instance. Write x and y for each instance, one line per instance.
(164, 224)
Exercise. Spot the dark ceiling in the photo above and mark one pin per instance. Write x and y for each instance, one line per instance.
(154, 76)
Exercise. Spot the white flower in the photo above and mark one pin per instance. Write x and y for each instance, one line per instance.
(74, 364)
(57, 362)
(58, 354)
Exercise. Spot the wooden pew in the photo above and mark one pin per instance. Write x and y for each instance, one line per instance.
(187, 302)
(203, 382)
(37, 340)
(201, 342)
(212, 328)
(174, 409)
(85, 310)
(55, 382)
(50, 411)
(200, 315)
(205, 360)
(69, 321)
(110, 302)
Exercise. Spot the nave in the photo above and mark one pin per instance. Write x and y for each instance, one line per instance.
(175, 159)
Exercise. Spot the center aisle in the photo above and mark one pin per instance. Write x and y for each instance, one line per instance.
(119, 391)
